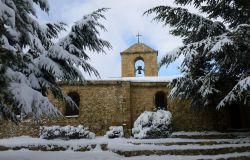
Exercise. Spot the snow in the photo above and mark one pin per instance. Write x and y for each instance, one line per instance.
(238, 90)
(5, 43)
(29, 141)
(60, 155)
(120, 144)
(197, 133)
(44, 62)
(66, 132)
(115, 132)
(220, 43)
(26, 141)
(185, 140)
(28, 98)
(73, 116)
(43, 4)
(102, 155)
(159, 121)
(7, 13)
(144, 79)
(149, 147)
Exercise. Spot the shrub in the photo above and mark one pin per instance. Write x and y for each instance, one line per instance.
(115, 132)
(153, 125)
(66, 132)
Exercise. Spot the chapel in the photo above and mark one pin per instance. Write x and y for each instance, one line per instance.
(119, 101)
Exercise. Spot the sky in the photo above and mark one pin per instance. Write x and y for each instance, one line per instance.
(123, 21)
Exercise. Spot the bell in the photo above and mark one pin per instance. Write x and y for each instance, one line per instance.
(139, 69)
(139, 72)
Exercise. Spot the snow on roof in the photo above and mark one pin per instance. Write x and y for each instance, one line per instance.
(143, 79)
(139, 47)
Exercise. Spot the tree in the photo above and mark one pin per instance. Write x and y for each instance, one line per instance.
(216, 65)
(27, 77)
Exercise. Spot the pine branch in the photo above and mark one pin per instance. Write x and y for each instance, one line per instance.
(28, 77)
(240, 92)
(235, 12)
(44, 5)
(191, 26)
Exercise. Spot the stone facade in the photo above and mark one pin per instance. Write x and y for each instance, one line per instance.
(109, 103)
(105, 103)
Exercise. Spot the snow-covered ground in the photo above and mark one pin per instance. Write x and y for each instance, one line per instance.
(101, 155)
(114, 148)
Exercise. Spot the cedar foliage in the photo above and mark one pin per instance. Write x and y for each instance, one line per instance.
(26, 77)
(216, 65)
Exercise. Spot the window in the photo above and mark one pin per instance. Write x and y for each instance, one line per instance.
(139, 67)
(160, 100)
(70, 110)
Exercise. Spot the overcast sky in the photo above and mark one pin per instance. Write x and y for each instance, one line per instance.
(124, 21)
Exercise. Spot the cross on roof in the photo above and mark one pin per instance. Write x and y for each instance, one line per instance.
(138, 36)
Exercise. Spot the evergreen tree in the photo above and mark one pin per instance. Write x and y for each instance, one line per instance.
(216, 65)
(27, 77)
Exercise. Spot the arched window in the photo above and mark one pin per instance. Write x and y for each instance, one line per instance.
(139, 67)
(160, 100)
(70, 110)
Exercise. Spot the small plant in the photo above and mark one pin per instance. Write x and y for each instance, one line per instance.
(153, 125)
(115, 132)
(66, 132)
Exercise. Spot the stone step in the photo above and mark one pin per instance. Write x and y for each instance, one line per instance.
(236, 158)
(211, 135)
(189, 152)
(224, 136)
(185, 143)
(53, 147)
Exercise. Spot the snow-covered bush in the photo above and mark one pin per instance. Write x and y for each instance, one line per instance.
(66, 132)
(153, 125)
(115, 132)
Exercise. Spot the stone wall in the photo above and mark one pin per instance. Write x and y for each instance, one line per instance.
(197, 119)
(102, 104)
(10, 129)
(107, 103)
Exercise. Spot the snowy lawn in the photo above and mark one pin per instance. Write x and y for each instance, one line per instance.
(27, 148)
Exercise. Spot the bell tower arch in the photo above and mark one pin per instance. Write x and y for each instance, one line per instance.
(139, 51)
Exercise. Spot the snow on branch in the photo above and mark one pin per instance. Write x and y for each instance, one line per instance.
(240, 90)
(192, 27)
(209, 45)
(44, 62)
(31, 75)
(53, 29)
(44, 5)
(7, 13)
(32, 101)
(84, 34)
